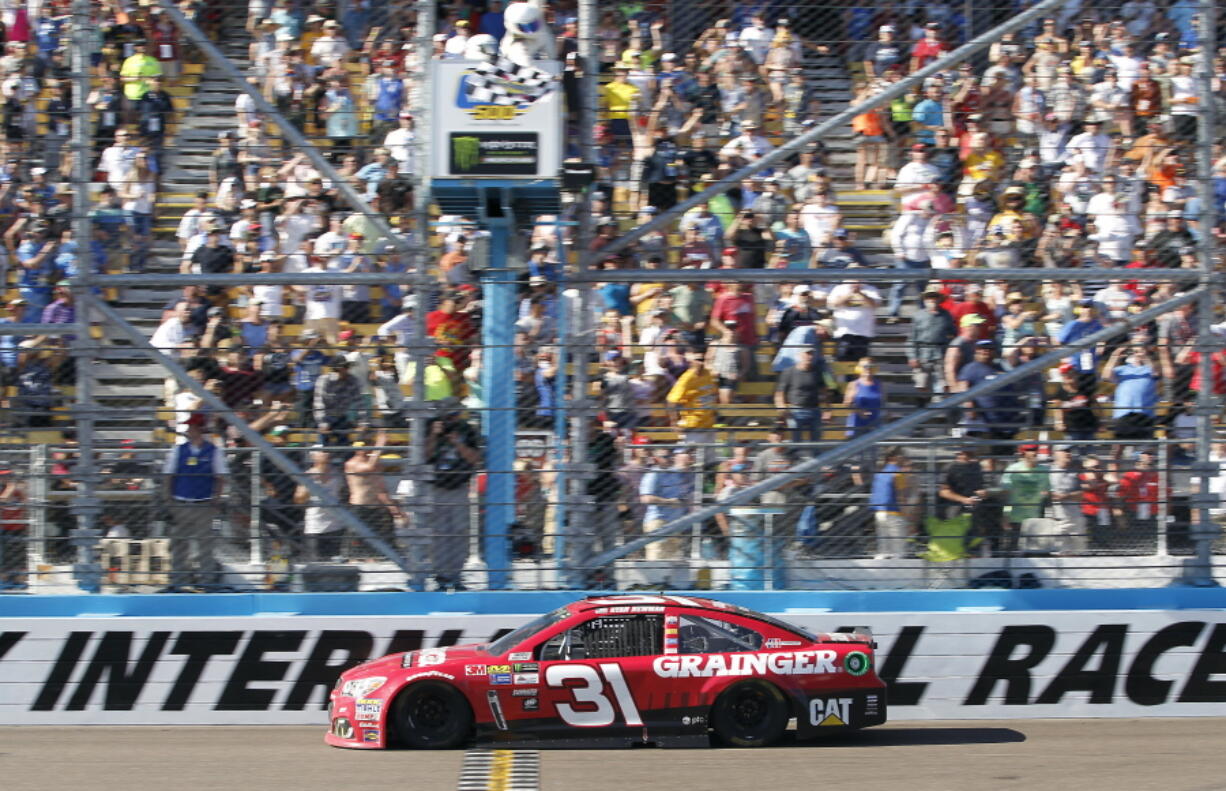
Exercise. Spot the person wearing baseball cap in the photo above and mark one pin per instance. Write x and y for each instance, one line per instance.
(932, 331)
(195, 473)
(1028, 484)
(883, 54)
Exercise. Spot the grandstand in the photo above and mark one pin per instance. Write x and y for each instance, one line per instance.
(1095, 469)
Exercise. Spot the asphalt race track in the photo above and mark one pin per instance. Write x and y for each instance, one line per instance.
(1184, 754)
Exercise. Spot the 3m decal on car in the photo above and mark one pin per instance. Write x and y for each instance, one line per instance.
(500, 678)
(370, 735)
(491, 669)
(526, 678)
(368, 709)
(796, 663)
(857, 663)
(474, 670)
(830, 711)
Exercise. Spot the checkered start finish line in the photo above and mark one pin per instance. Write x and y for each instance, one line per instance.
(500, 770)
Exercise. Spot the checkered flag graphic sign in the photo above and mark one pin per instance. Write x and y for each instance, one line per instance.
(507, 84)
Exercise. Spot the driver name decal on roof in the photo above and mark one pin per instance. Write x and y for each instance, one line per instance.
(795, 663)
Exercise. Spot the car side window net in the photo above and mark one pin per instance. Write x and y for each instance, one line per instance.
(712, 636)
(607, 638)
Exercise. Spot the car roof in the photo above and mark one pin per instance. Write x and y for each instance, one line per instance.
(596, 602)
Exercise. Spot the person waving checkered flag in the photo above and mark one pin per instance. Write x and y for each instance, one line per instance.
(506, 83)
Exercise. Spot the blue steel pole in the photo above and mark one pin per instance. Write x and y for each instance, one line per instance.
(498, 291)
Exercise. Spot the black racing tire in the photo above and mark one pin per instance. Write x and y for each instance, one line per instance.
(433, 716)
(750, 714)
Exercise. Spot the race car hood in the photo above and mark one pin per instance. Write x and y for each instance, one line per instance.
(432, 657)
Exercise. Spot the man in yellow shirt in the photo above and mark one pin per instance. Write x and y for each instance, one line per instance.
(620, 99)
(643, 295)
(135, 71)
(692, 401)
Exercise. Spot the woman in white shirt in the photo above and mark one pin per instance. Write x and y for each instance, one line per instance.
(139, 192)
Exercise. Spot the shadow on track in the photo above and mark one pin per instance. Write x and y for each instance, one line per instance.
(915, 737)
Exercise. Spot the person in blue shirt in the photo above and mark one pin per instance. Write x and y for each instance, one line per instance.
(615, 296)
(667, 492)
(997, 415)
(8, 343)
(47, 31)
(389, 101)
(794, 243)
(373, 172)
(928, 115)
(1136, 394)
(1086, 323)
(308, 367)
(341, 117)
(891, 494)
(38, 273)
(492, 21)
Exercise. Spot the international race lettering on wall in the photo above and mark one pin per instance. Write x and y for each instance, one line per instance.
(279, 670)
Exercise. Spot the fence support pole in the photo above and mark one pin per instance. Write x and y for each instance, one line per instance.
(580, 510)
(85, 504)
(1198, 570)
(421, 352)
(497, 373)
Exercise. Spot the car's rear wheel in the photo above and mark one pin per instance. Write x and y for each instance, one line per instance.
(750, 714)
(433, 716)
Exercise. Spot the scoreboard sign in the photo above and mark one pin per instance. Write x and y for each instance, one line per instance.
(496, 120)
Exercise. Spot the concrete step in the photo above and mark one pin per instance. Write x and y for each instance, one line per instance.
(128, 371)
(129, 394)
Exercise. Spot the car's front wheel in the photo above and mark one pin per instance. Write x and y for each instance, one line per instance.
(750, 714)
(433, 716)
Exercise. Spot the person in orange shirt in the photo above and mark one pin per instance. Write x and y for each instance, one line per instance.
(872, 154)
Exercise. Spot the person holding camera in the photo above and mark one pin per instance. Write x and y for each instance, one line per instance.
(453, 452)
(338, 401)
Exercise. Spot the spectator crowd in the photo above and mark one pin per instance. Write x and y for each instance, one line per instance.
(1068, 144)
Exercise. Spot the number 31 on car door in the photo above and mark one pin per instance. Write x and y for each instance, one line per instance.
(597, 694)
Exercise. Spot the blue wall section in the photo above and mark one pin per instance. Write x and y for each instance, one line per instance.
(531, 602)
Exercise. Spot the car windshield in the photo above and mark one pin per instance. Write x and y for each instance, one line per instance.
(512, 639)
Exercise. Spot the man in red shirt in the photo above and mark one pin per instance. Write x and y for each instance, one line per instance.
(734, 303)
(973, 303)
(451, 328)
(1217, 368)
(1139, 490)
(929, 48)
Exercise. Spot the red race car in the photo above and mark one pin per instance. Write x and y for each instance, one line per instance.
(616, 670)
